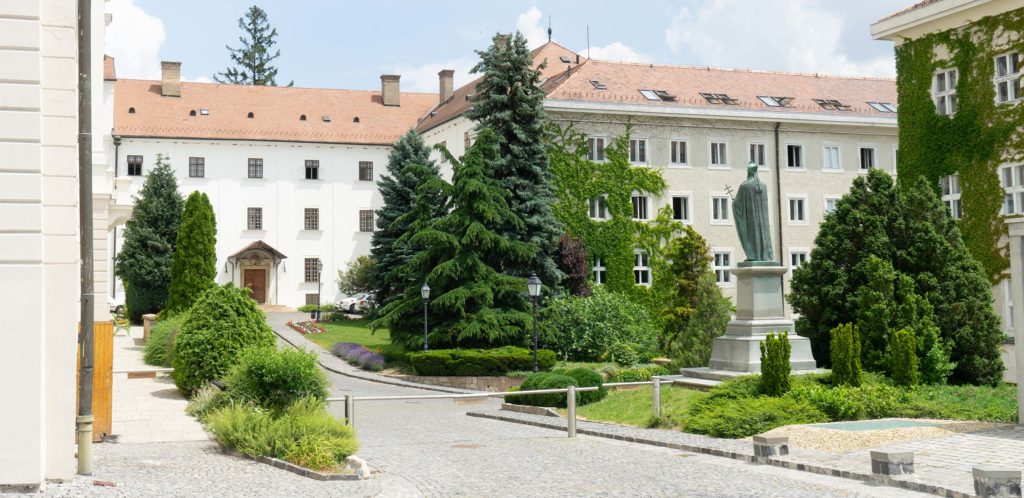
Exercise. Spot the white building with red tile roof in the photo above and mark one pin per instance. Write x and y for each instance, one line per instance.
(812, 134)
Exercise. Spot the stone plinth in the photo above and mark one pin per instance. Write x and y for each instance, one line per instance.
(765, 446)
(760, 310)
(992, 482)
(892, 463)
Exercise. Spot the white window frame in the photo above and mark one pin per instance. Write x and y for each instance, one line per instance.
(805, 251)
(895, 160)
(951, 195)
(945, 99)
(639, 266)
(803, 158)
(686, 152)
(839, 158)
(711, 208)
(860, 158)
(263, 219)
(723, 277)
(646, 151)
(1007, 306)
(318, 220)
(688, 220)
(711, 153)
(835, 202)
(789, 209)
(597, 267)
(764, 154)
(1011, 79)
(603, 206)
(1014, 192)
(592, 150)
(646, 206)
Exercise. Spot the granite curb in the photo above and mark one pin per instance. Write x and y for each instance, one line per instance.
(289, 467)
(727, 448)
(341, 368)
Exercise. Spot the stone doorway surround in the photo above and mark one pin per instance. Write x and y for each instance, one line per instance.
(253, 262)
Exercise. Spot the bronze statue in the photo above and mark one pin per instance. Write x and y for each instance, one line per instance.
(750, 210)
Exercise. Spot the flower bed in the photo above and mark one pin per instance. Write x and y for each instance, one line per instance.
(307, 327)
(358, 355)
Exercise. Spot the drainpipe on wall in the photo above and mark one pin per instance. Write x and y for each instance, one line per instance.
(83, 422)
(117, 147)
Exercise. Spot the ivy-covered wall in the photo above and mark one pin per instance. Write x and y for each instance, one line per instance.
(977, 139)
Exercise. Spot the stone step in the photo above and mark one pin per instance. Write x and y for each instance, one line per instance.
(710, 374)
(696, 383)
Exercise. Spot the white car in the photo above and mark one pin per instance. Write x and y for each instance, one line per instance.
(355, 303)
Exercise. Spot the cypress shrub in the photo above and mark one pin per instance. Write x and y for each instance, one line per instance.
(223, 322)
(194, 267)
(845, 351)
(903, 358)
(775, 364)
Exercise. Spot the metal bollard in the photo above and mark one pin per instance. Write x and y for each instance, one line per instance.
(571, 404)
(350, 410)
(656, 396)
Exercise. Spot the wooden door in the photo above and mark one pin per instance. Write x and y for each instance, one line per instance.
(256, 279)
(102, 380)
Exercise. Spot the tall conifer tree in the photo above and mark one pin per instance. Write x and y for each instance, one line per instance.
(510, 102)
(252, 61)
(398, 189)
(460, 255)
(144, 262)
(195, 255)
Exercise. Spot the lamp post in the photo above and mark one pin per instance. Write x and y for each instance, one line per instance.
(319, 270)
(533, 286)
(425, 294)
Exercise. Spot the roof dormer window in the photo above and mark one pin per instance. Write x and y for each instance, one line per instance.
(302, 117)
(776, 101)
(131, 110)
(832, 104)
(598, 85)
(355, 119)
(882, 106)
(719, 98)
(250, 115)
(192, 112)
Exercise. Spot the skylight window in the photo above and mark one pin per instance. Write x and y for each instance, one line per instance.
(650, 95)
(204, 112)
(598, 85)
(657, 95)
(668, 97)
(776, 101)
(565, 59)
(719, 98)
(326, 118)
(832, 105)
(882, 106)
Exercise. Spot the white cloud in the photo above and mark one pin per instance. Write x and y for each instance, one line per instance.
(198, 79)
(133, 39)
(615, 51)
(423, 78)
(787, 35)
(528, 23)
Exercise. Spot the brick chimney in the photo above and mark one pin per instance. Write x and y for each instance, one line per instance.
(389, 89)
(447, 79)
(170, 79)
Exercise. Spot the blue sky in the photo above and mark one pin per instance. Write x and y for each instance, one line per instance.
(348, 44)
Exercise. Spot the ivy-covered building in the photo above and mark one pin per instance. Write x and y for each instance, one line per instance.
(811, 135)
(959, 67)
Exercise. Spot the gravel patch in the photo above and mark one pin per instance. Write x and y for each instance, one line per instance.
(840, 441)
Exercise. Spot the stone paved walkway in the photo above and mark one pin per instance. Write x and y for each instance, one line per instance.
(147, 409)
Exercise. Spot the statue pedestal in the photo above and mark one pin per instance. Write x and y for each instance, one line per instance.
(760, 310)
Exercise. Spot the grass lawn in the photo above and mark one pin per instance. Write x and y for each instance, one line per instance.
(633, 407)
(357, 331)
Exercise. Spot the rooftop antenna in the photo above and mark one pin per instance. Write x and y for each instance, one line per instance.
(549, 29)
(588, 41)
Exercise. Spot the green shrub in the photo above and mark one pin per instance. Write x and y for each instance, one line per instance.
(324, 308)
(966, 402)
(638, 374)
(853, 403)
(845, 352)
(275, 379)
(545, 380)
(205, 400)
(223, 322)
(586, 377)
(478, 362)
(159, 350)
(606, 326)
(743, 417)
(304, 434)
(903, 358)
(775, 367)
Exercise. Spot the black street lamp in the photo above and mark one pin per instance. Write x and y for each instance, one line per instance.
(425, 294)
(319, 271)
(533, 286)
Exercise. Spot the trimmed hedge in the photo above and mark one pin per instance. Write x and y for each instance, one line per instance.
(478, 362)
(546, 380)
(584, 377)
(274, 379)
(638, 374)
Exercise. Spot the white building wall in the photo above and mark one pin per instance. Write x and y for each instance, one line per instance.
(283, 193)
(38, 239)
(453, 135)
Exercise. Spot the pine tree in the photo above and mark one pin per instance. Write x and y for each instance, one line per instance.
(473, 302)
(911, 230)
(572, 260)
(711, 314)
(510, 102)
(144, 262)
(194, 267)
(398, 190)
(689, 259)
(253, 60)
